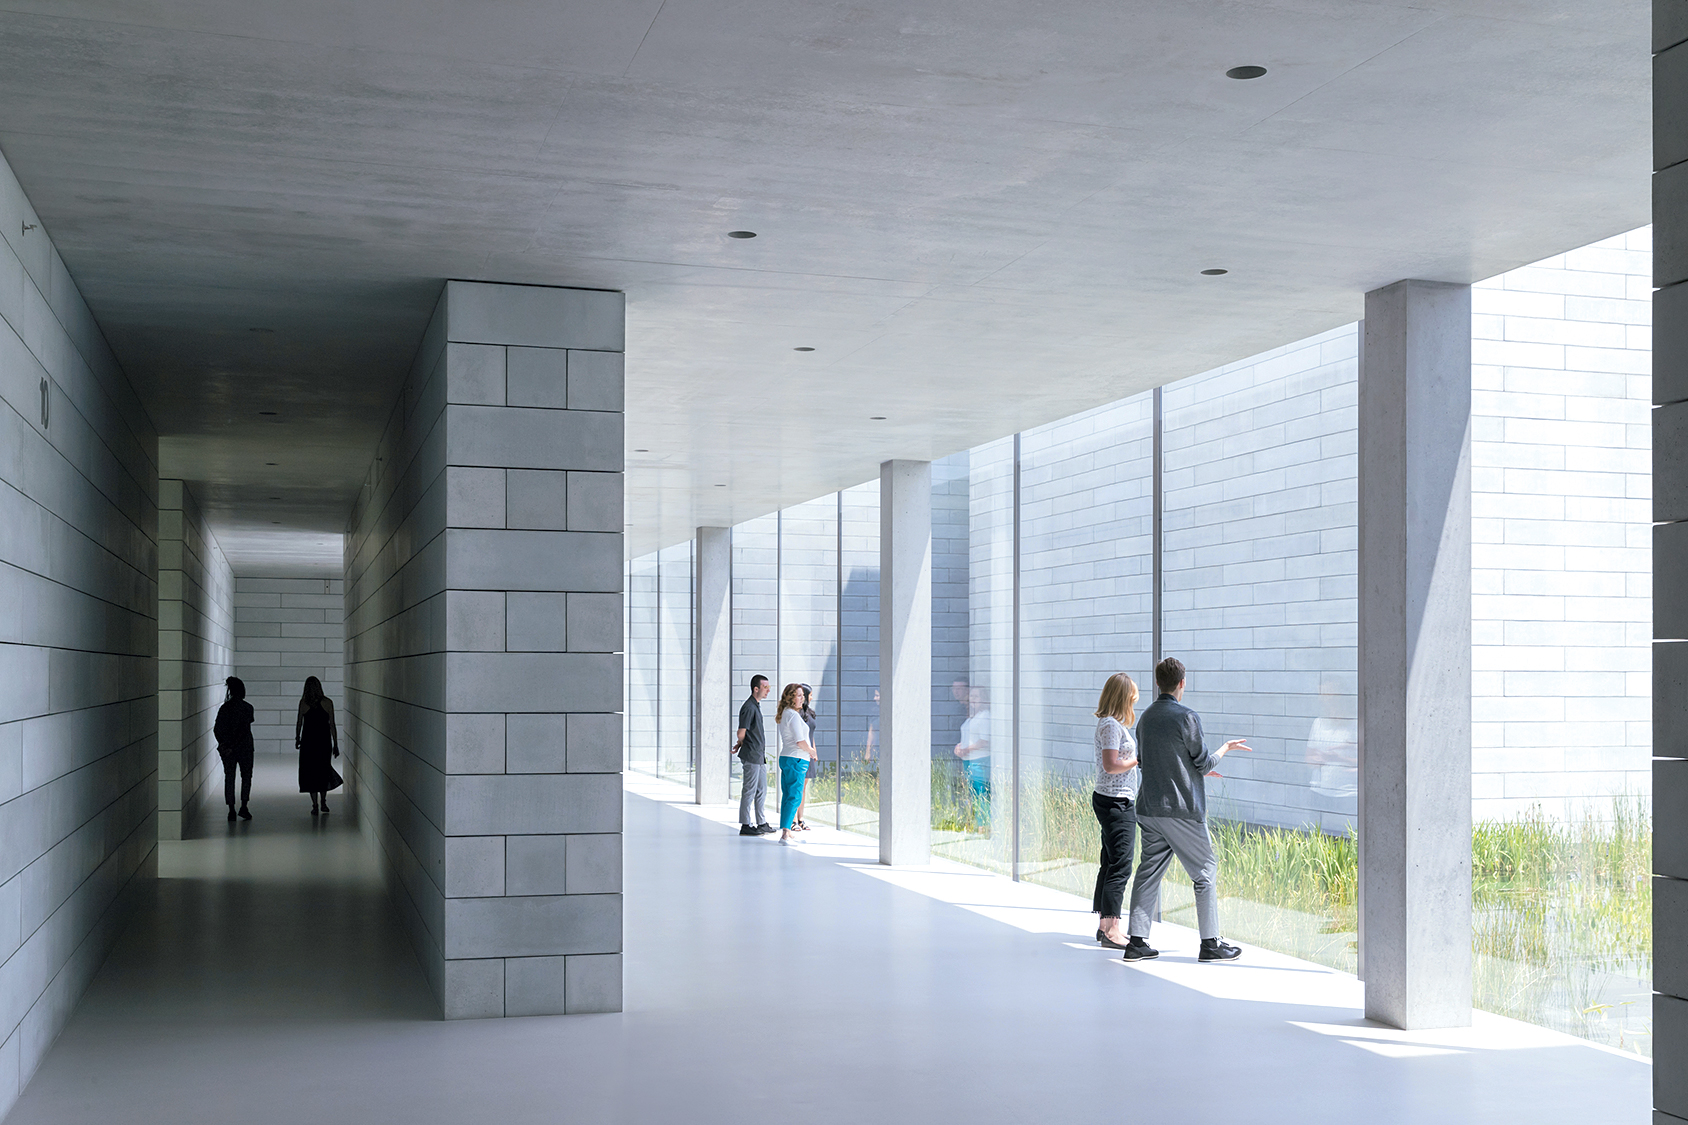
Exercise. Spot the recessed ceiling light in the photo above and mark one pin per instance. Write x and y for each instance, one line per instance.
(877, 418)
(271, 464)
(1244, 73)
(275, 521)
(741, 234)
(1214, 273)
(275, 498)
(267, 413)
(720, 486)
(641, 451)
(802, 349)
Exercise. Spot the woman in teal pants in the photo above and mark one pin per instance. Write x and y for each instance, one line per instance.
(796, 752)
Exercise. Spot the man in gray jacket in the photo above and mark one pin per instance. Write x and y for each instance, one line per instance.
(1172, 814)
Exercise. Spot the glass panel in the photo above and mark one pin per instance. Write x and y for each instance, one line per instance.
(756, 627)
(808, 637)
(972, 656)
(1086, 517)
(674, 745)
(1259, 603)
(856, 785)
(641, 665)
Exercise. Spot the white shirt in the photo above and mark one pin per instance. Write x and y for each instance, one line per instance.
(977, 729)
(1112, 735)
(792, 731)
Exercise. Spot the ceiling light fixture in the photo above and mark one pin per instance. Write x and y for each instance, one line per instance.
(1244, 73)
(641, 451)
(876, 418)
(741, 234)
(267, 413)
(802, 349)
(270, 464)
(1215, 273)
(720, 486)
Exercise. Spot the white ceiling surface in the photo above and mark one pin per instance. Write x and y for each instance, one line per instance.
(982, 215)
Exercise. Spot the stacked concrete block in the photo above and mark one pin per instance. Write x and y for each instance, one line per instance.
(195, 654)
(1562, 554)
(483, 674)
(1670, 561)
(287, 628)
(78, 643)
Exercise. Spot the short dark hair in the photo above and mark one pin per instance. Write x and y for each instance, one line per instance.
(236, 686)
(757, 681)
(1169, 673)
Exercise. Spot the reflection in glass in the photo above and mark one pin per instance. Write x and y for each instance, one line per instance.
(756, 629)
(642, 704)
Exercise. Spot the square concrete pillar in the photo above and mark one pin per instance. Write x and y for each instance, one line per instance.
(1670, 574)
(1415, 654)
(905, 662)
(484, 636)
(716, 719)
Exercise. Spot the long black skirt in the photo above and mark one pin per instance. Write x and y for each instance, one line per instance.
(316, 770)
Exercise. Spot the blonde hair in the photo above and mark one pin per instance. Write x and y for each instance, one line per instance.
(788, 701)
(1119, 699)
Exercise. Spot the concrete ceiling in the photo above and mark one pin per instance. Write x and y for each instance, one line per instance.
(981, 215)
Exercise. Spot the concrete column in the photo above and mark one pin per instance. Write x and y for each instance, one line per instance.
(1670, 561)
(716, 717)
(1415, 653)
(905, 662)
(484, 636)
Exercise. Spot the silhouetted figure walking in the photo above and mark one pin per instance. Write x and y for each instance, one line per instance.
(317, 739)
(233, 731)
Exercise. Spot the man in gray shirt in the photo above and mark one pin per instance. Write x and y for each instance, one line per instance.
(1172, 814)
(753, 760)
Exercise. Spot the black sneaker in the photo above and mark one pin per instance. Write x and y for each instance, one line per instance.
(231, 812)
(747, 830)
(244, 815)
(765, 830)
(1218, 949)
(1139, 950)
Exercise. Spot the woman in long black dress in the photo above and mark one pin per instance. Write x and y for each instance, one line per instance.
(317, 740)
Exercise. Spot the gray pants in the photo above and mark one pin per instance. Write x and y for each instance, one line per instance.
(1163, 838)
(755, 789)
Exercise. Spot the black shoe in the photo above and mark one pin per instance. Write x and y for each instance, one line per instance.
(1108, 941)
(1139, 950)
(749, 830)
(244, 815)
(1218, 949)
(231, 812)
(765, 830)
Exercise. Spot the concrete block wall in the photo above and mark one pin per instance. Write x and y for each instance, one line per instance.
(483, 673)
(78, 643)
(287, 628)
(1562, 559)
(195, 654)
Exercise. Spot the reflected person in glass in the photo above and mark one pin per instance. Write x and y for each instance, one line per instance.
(796, 753)
(1117, 779)
(974, 750)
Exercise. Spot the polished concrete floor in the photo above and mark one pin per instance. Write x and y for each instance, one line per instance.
(266, 981)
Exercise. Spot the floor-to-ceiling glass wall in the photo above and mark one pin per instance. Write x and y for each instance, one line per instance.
(808, 640)
(643, 704)
(1086, 569)
(676, 626)
(856, 787)
(1259, 602)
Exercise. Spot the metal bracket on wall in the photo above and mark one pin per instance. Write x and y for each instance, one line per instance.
(46, 402)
